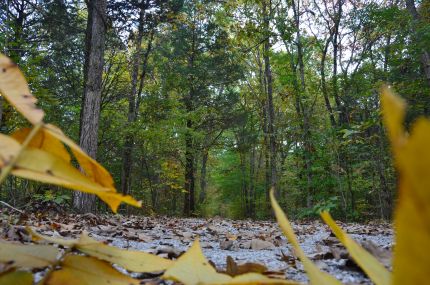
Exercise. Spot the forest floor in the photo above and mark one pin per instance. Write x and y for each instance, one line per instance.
(245, 241)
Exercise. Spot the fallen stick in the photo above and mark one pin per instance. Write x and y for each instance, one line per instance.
(10, 206)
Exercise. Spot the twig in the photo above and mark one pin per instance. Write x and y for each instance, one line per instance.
(8, 168)
(10, 206)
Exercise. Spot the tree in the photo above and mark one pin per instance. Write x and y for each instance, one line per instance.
(93, 71)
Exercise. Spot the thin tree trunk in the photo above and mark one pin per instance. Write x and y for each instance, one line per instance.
(129, 139)
(270, 108)
(203, 181)
(90, 111)
(189, 196)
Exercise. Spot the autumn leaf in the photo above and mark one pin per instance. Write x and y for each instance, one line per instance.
(316, 276)
(137, 261)
(373, 268)
(39, 165)
(27, 256)
(90, 166)
(412, 215)
(16, 277)
(43, 140)
(258, 279)
(193, 268)
(15, 89)
(84, 270)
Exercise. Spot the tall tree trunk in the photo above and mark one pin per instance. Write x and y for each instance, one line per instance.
(251, 193)
(132, 112)
(270, 113)
(202, 195)
(189, 196)
(324, 84)
(90, 111)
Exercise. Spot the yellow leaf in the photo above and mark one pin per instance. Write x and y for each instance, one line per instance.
(9, 148)
(39, 237)
(15, 89)
(193, 268)
(90, 166)
(258, 279)
(28, 256)
(45, 167)
(84, 270)
(316, 276)
(137, 261)
(373, 268)
(16, 277)
(43, 140)
(411, 259)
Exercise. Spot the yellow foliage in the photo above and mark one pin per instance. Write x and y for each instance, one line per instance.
(39, 153)
(27, 256)
(373, 268)
(16, 277)
(193, 268)
(136, 261)
(316, 276)
(14, 88)
(412, 215)
(84, 270)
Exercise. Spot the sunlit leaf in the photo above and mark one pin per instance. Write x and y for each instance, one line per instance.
(412, 215)
(193, 268)
(258, 279)
(45, 167)
(373, 268)
(84, 270)
(16, 277)
(9, 148)
(14, 88)
(28, 256)
(90, 166)
(137, 261)
(43, 140)
(316, 276)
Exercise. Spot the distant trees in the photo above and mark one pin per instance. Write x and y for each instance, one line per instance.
(199, 107)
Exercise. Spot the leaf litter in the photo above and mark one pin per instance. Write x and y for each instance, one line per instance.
(251, 245)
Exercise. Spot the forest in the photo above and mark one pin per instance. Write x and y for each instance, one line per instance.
(199, 107)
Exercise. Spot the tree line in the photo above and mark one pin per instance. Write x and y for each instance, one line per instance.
(200, 107)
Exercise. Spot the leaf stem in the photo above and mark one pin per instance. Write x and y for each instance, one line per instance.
(8, 168)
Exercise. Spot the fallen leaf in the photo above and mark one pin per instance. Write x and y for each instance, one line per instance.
(193, 268)
(316, 276)
(137, 261)
(370, 265)
(255, 278)
(85, 270)
(27, 256)
(15, 89)
(16, 277)
(258, 244)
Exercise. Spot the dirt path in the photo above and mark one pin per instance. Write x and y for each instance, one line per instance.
(244, 241)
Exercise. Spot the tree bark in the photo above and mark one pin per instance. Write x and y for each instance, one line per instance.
(203, 172)
(90, 111)
(189, 195)
(270, 113)
(132, 112)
